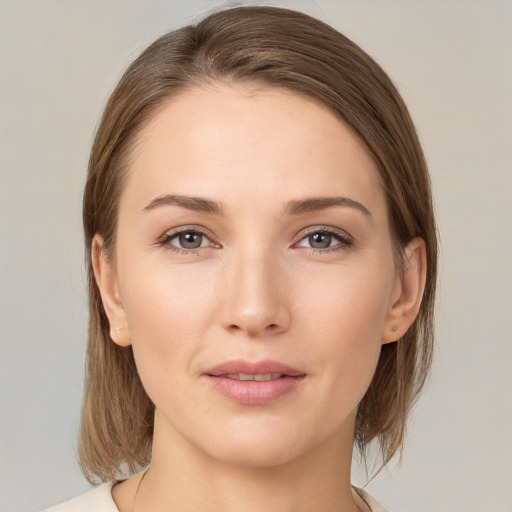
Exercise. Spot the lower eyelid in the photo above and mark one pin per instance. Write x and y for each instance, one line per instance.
(344, 241)
(175, 236)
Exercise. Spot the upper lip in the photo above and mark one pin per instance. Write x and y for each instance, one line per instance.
(253, 368)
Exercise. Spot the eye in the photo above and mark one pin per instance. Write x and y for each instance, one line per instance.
(185, 240)
(326, 240)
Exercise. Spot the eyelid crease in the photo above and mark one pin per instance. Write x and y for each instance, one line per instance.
(173, 233)
(345, 240)
(340, 233)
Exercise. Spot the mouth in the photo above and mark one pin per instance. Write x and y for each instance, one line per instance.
(254, 383)
(246, 370)
(260, 377)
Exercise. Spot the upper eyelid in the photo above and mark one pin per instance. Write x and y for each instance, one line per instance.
(172, 233)
(188, 229)
(326, 229)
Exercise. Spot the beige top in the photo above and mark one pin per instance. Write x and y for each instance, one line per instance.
(100, 500)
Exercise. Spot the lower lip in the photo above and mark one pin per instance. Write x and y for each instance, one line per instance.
(253, 392)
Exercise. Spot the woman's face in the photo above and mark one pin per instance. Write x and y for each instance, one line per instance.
(253, 239)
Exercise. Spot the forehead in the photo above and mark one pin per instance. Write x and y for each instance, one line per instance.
(248, 142)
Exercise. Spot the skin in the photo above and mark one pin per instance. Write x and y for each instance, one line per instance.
(255, 289)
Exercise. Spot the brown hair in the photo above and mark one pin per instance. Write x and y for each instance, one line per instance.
(279, 48)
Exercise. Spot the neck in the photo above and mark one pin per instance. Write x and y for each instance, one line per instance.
(183, 478)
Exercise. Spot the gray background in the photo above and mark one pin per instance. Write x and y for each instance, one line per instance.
(452, 62)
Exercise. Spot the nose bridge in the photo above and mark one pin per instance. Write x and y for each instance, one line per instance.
(255, 299)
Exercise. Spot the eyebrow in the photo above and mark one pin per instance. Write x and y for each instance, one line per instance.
(298, 207)
(197, 204)
(295, 207)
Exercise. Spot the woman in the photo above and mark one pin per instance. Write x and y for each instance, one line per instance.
(262, 267)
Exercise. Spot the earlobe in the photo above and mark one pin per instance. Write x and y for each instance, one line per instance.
(106, 280)
(410, 287)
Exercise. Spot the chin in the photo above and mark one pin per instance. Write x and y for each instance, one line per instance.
(264, 447)
(255, 455)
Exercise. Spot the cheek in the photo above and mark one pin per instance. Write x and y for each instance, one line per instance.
(157, 295)
(350, 303)
(168, 314)
(346, 325)
(337, 317)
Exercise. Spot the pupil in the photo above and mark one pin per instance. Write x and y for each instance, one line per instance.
(320, 240)
(190, 240)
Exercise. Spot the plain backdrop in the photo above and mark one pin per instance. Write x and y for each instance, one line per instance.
(59, 60)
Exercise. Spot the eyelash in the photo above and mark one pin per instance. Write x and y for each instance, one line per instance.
(345, 240)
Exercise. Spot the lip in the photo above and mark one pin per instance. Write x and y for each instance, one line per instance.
(242, 366)
(254, 392)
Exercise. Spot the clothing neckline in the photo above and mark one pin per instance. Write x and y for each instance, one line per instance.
(362, 497)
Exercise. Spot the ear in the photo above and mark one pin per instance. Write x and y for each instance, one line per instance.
(106, 280)
(407, 293)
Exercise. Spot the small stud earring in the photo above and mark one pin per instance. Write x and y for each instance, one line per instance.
(395, 328)
(116, 330)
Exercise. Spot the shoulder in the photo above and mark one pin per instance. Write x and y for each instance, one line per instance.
(96, 500)
(368, 500)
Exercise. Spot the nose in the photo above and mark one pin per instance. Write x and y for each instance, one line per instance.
(255, 296)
